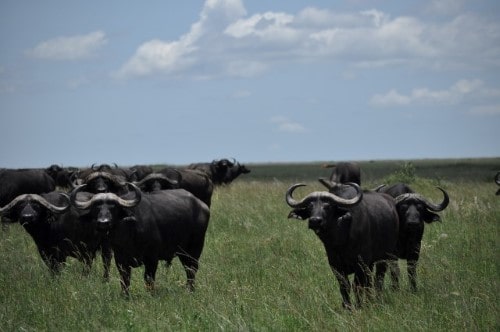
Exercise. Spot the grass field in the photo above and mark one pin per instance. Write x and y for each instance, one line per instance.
(262, 272)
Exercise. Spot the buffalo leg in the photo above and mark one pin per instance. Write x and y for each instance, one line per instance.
(395, 273)
(362, 284)
(52, 263)
(150, 273)
(412, 274)
(411, 265)
(87, 264)
(380, 270)
(345, 288)
(191, 267)
(124, 271)
(106, 255)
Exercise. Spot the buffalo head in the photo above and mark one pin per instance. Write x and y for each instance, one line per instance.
(158, 181)
(107, 208)
(414, 209)
(323, 209)
(32, 208)
(101, 182)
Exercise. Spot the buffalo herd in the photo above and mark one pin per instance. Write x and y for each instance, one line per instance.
(142, 215)
(137, 214)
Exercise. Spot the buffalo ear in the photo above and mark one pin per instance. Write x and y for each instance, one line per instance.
(301, 214)
(430, 217)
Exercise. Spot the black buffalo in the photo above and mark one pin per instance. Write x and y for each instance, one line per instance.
(236, 170)
(414, 211)
(15, 182)
(218, 170)
(102, 181)
(145, 228)
(122, 173)
(158, 181)
(354, 242)
(139, 172)
(343, 172)
(61, 175)
(497, 181)
(195, 181)
(58, 230)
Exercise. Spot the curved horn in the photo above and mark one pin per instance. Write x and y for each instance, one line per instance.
(84, 205)
(113, 178)
(79, 204)
(290, 200)
(129, 203)
(430, 206)
(327, 183)
(324, 195)
(497, 178)
(442, 205)
(14, 202)
(157, 177)
(73, 178)
(53, 208)
(377, 188)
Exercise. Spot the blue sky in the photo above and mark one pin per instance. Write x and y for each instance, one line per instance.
(176, 82)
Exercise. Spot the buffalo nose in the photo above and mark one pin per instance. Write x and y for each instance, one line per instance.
(26, 218)
(412, 222)
(315, 222)
(104, 223)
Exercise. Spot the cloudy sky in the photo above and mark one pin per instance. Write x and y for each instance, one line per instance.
(175, 82)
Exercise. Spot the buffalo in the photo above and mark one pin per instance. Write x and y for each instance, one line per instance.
(157, 181)
(218, 170)
(102, 181)
(144, 228)
(124, 174)
(343, 172)
(236, 170)
(497, 181)
(61, 175)
(356, 241)
(414, 211)
(195, 181)
(15, 182)
(139, 172)
(59, 231)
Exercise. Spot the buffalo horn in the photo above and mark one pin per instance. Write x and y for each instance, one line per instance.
(322, 195)
(430, 206)
(113, 178)
(157, 177)
(39, 199)
(84, 205)
(13, 203)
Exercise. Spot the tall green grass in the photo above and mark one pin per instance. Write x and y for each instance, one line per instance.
(262, 271)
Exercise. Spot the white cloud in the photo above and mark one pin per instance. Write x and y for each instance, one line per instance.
(69, 48)
(227, 41)
(486, 110)
(241, 94)
(286, 125)
(462, 90)
(169, 57)
(445, 7)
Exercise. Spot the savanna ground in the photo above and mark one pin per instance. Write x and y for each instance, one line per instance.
(262, 272)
